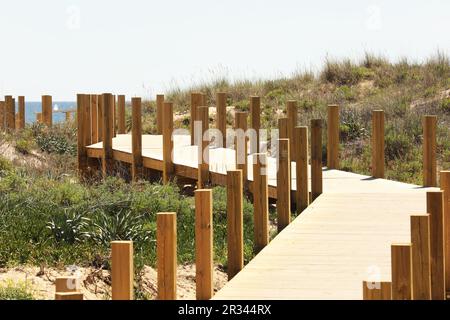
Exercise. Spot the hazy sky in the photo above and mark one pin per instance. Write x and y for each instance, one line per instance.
(138, 47)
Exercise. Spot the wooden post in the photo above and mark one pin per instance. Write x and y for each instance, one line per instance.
(83, 134)
(241, 144)
(316, 158)
(377, 291)
(122, 270)
(69, 296)
(68, 115)
(94, 118)
(401, 263)
(2, 115)
(21, 121)
(47, 110)
(260, 201)
(38, 117)
(196, 101)
(10, 113)
(121, 114)
(136, 139)
(235, 233)
(67, 284)
(378, 144)
(108, 124)
(166, 244)
(159, 113)
(292, 116)
(429, 151)
(204, 244)
(203, 148)
(283, 130)
(255, 119)
(333, 137)
(420, 239)
(100, 117)
(168, 166)
(283, 184)
(435, 207)
(445, 186)
(221, 119)
(301, 169)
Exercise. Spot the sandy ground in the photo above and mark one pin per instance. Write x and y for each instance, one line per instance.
(96, 284)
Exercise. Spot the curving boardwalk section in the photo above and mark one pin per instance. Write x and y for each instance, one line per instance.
(343, 238)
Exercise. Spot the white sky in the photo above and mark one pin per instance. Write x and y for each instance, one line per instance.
(141, 48)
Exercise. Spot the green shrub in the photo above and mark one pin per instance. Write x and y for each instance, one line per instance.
(24, 146)
(16, 291)
(5, 166)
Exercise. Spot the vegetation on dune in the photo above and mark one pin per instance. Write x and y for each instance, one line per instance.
(16, 291)
(47, 217)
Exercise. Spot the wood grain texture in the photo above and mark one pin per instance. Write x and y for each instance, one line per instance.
(67, 284)
(83, 134)
(301, 158)
(241, 143)
(377, 291)
(21, 113)
(283, 128)
(421, 266)
(196, 101)
(316, 159)
(69, 296)
(167, 141)
(429, 151)
(47, 110)
(260, 201)
(284, 185)
(100, 117)
(204, 244)
(121, 125)
(292, 116)
(122, 270)
(445, 186)
(203, 179)
(166, 242)
(235, 233)
(107, 135)
(435, 207)
(402, 282)
(378, 144)
(94, 118)
(136, 139)
(255, 122)
(221, 106)
(159, 113)
(2, 115)
(10, 113)
(333, 137)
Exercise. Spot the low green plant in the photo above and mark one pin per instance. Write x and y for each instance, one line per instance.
(16, 291)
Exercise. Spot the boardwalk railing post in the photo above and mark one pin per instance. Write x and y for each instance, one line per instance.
(316, 159)
(168, 167)
(221, 105)
(159, 113)
(401, 264)
(235, 233)
(203, 147)
(378, 144)
(114, 116)
(445, 186)
(283, 184)
(47, 110)
(420, 239)
(67, 284)
(83, 134)
(100, 117)
(292, 116)
(429, 151)
(10, 113)
(203, 244)
(255, 121)
(166, 243)
(2, 115)
(377, 291)
(333, 137)
(21, 120)
(435, 207)
(283, 130)
(122, 270)
(196, 101)
(94, 118)
(136, 139)
(121, 126)
(69, 296)
(260, 201)
(108, 124)
(300, 153)
(242, 144)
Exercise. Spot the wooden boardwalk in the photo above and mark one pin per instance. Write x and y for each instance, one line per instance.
(341, 239)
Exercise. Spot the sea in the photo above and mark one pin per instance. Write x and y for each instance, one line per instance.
(33, 107)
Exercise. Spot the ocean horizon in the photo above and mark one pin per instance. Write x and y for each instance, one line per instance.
(34, 107)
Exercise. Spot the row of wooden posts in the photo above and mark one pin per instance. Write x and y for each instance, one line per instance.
(10, 120)
(420, 270)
